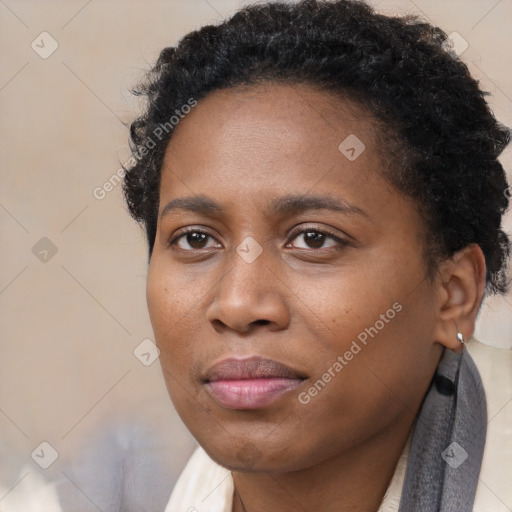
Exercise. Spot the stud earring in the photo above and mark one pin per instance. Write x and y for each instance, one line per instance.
(460, 337)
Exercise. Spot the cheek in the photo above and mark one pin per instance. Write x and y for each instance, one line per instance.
(167, 309)
(160, 302)
(169, 300)
(170, 311)
(348, 305)
(373, 353)
(359, 389)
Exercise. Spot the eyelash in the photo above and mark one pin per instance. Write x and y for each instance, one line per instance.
(294, 234)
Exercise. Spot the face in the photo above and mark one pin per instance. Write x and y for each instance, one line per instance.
(287, 287)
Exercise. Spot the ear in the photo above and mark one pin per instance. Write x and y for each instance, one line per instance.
(460, 284)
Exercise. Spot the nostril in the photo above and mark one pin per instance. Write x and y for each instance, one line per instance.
(261, 322)
(218, 325)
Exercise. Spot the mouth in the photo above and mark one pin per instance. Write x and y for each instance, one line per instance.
(250, 383)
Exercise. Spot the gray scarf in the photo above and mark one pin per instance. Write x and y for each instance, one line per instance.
(448, 440)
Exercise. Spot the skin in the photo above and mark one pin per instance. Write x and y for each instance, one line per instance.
(302, 301)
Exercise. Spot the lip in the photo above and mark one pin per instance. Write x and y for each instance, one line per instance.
(250, 383)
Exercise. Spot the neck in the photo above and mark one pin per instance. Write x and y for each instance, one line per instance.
(355, 481)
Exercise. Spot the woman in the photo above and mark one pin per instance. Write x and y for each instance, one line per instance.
(322, 199)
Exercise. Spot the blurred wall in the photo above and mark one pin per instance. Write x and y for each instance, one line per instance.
(73, 264)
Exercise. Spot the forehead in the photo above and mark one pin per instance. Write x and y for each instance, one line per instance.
(295, 110)
(252, 148)
(266, 133)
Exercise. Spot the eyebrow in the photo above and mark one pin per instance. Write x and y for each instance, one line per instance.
(281, 206)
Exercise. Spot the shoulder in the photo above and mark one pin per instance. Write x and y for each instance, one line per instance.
(495, 367)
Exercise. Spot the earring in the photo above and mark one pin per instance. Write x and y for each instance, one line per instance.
(460, 337)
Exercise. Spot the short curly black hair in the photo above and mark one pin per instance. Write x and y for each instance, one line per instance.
(446, 140)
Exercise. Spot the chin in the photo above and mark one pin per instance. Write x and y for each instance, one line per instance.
(247, 456)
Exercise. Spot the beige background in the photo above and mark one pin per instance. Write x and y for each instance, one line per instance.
(69, 325)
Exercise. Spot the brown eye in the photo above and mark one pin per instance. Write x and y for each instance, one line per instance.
(315, 239)
(195, 239)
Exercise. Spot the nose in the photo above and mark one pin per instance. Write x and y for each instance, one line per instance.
(249, 295)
